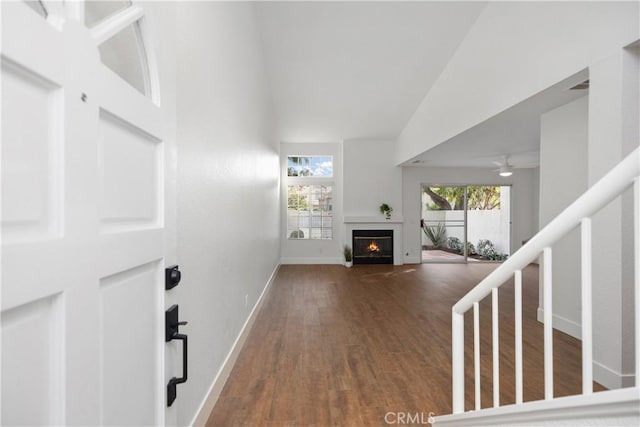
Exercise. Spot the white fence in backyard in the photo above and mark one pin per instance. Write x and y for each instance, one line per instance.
(481, 224)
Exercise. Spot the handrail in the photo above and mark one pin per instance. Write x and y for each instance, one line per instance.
(594, 199)
(577, 214)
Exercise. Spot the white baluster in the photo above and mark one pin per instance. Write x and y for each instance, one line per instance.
(517, 291)
(548, 324)
(495, 339)
(457, 361)
(476, 351)
(636, 244)
(587, 316)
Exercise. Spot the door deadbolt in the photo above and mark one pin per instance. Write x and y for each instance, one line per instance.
(172, 276)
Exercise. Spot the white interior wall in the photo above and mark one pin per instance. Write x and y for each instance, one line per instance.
(513, 51)
(522, 201)
(371, 178)
(308, 251)
(613, 133)
(228, 184)
(505, 219)
(563, 178)
(630, 138)
(536, 194)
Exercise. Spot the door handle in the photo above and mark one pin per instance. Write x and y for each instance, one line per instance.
(173, 382)
(171, 333)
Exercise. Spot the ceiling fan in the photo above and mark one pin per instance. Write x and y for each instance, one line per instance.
(509, 162)
(504, 167)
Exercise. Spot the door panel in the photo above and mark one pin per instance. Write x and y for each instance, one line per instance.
(31, 146)
(82, 231)
(32, 338)
(130, 166)
(131, 293)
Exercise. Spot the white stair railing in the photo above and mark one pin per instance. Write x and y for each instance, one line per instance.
(625, 174)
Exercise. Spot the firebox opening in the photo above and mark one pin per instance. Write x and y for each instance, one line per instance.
(372, 246)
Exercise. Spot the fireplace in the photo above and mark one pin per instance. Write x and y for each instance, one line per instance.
(372, 246)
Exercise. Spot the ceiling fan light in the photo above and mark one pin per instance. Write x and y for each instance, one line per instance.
(506, 171)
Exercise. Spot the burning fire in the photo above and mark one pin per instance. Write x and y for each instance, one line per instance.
(373, 247)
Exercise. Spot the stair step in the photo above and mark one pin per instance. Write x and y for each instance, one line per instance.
(612, 407)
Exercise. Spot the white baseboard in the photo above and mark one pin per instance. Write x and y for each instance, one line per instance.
(610, 378)
(219, 381)
(311, 260)
(601, 373)
(412, 260)
(563, 324)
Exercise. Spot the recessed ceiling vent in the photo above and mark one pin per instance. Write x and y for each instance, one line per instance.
(581, 86)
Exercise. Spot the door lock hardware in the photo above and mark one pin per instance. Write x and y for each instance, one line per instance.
(171, 333)
(172, 276)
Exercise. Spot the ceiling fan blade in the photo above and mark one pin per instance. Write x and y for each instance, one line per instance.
(527, 165)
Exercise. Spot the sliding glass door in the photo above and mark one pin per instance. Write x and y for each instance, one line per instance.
(443, 224)
(465, 223)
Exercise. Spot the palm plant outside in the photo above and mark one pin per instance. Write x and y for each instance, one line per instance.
(437, 234)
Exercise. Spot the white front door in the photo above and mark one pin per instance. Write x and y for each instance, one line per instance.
(82, 218)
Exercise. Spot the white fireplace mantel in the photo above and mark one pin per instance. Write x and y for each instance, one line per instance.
(372, 220)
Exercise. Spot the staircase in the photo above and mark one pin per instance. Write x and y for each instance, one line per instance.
(614, 407)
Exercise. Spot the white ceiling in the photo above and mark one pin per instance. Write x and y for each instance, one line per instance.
(356, 70)
(359, 70)
(514, 132)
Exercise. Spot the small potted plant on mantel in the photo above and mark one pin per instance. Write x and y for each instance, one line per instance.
(386, 210)
(348, 256)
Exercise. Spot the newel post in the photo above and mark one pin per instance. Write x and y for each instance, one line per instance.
(457, 361)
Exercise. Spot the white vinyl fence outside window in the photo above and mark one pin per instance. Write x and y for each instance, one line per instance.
(309, 197)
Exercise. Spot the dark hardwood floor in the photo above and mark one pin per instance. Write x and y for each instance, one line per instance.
(337, 346)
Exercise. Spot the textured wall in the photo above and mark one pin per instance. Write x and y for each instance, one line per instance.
(228, 184)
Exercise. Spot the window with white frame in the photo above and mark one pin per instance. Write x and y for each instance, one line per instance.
(309, 197)
(310, 166)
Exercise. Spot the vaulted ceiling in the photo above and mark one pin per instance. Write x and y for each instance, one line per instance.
(514, 133)
(359, 70)
(356, 70)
